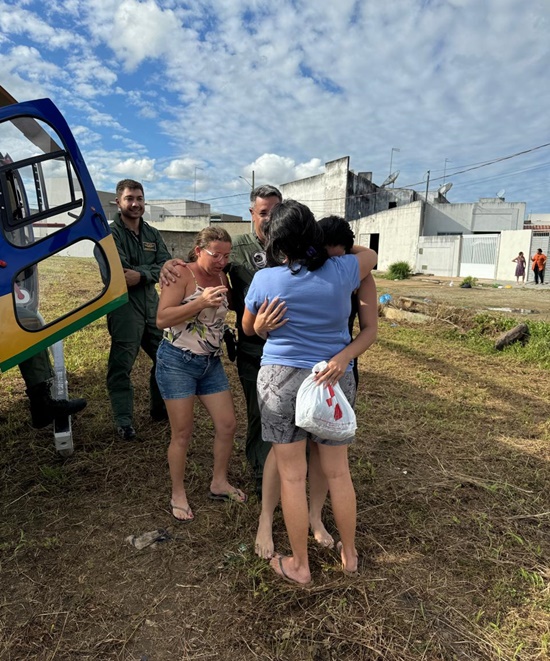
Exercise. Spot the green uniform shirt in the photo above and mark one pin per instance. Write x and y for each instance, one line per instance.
(145, 253)
(247, 257)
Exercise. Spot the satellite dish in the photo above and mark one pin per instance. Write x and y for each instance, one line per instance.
(390, 179)
(501, 192)
(445, 188)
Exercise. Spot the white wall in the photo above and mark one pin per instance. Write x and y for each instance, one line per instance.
(487, 215)
(398, 231)
(539, 218)
(181, 224)
(438, 255)
(324, 194)
(511, 243)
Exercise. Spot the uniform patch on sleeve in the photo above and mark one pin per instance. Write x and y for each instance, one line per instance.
(150, 245)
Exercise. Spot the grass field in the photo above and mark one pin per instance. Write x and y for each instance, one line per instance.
(453, 482)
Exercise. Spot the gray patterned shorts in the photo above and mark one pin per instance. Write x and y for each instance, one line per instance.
(277, 389)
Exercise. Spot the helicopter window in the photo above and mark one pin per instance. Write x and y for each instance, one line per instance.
(39, 189)
(59, 295)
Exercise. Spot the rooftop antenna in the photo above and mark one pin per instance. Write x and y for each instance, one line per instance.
(500, 194)
(444, 188)
(389, 180)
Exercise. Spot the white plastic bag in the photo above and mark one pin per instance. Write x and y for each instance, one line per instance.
(324, 410)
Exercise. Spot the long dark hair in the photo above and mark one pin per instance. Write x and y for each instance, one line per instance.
(292, 233)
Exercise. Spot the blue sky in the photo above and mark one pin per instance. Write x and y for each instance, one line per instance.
(191, 97)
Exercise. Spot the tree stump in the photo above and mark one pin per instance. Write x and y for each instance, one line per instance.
(519, 333)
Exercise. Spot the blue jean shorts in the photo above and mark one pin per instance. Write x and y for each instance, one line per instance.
(181, 374)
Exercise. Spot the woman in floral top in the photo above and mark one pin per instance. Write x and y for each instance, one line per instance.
(192, 313)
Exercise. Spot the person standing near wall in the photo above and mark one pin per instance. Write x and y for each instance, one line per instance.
(520, 267)
(538, 265)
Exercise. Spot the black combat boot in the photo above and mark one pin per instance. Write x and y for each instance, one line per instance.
(45, 410)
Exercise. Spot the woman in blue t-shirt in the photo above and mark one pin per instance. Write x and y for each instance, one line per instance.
(317, 291)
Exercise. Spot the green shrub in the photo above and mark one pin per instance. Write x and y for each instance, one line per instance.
(399, 271)
(469, 280)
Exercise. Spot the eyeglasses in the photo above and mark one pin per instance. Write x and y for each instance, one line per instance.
(217, 256)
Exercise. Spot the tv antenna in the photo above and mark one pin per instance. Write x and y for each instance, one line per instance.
(500, 194)
(389, 180)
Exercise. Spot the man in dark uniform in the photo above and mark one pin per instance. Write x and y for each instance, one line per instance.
(247, 257)
(133, 325)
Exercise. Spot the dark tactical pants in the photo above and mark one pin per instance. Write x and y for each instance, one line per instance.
(256, 448)
(38, 368)
(129, 331)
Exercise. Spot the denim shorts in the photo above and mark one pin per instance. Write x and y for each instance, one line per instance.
(181, 374)
(277, 389)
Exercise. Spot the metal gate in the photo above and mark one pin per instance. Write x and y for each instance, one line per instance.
(478, 256)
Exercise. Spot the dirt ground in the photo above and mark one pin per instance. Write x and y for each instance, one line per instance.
(452, 476)
(522, 301)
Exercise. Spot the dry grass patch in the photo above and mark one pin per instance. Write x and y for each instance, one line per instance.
(453, 483)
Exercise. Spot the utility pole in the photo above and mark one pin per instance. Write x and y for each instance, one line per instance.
(245, 179)
(391, 162)
(427, 185)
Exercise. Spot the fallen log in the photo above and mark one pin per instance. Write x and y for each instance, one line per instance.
(519, 333)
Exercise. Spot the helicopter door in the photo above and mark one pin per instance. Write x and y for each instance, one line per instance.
(49, 213)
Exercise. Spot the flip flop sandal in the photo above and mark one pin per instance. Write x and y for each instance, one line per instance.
(236, 496)
(287, 578)
(187, 511)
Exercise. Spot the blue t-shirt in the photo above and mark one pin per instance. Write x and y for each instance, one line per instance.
(319, 305)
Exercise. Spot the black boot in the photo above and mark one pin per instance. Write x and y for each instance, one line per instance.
(45, 410)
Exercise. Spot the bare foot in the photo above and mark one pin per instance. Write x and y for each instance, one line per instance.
(349, 562)
(288, 573)
(264, 546)
(181, 510)
(321, 534)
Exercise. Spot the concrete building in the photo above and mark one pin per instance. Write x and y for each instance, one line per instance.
(449, 239)
(432, 235)
(178, 221)
(340, 191)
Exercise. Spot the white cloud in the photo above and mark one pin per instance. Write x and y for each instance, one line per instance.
(142, 169)
(283, 87)
(183, 168)
(275, 169)
(17, 21)
(142, 30)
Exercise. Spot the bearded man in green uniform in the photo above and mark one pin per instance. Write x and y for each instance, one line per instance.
(133, 325)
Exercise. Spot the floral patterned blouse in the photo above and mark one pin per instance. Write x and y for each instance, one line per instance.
(203, 334)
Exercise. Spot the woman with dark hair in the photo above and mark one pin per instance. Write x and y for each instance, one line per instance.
(338, 239)
(192, 313)
(316, 291)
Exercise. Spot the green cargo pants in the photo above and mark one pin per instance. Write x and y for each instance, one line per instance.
(129, 331)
